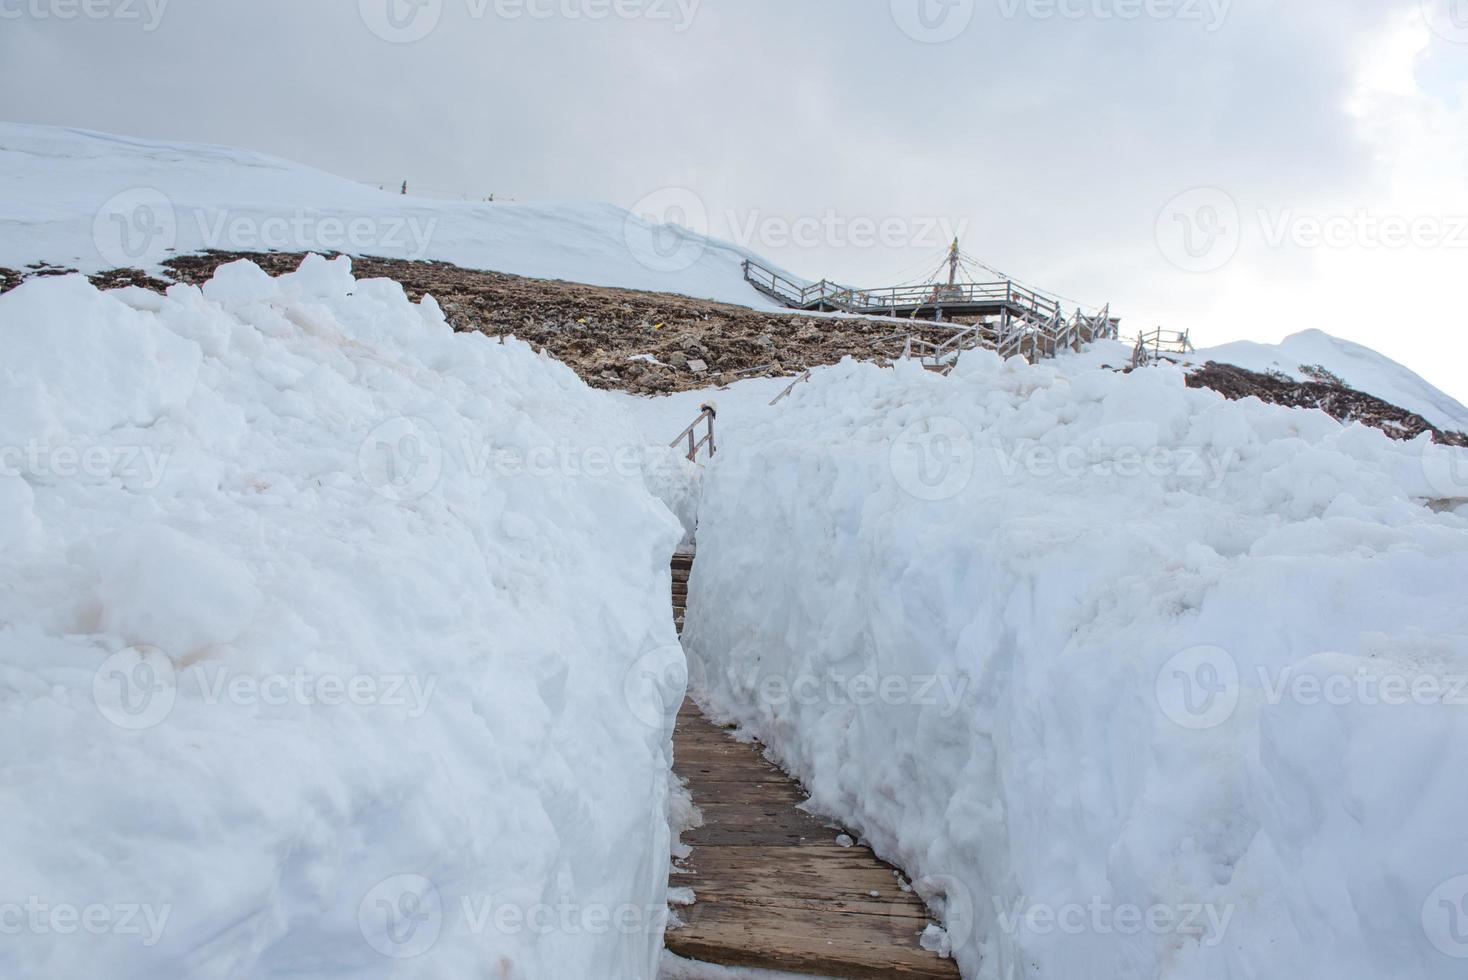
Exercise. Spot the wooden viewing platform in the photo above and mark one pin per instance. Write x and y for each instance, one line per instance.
(1003, 315)
(923, 302)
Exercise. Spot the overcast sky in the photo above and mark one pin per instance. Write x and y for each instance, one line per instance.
(1240, 168)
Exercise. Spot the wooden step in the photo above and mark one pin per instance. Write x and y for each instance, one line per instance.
(774, 889)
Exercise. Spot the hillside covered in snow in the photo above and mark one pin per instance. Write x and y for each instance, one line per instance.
(1359, 367)
(92, 202)
(335, 633)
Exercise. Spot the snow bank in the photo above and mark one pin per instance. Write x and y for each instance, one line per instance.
(1360, 367)
(1135, 681)
(324, 643)
(93, 202)
(677, 968)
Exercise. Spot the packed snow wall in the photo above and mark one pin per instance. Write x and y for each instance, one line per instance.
(325, 643)
(1133, 681)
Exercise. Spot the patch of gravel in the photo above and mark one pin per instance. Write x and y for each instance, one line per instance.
(1340, 402)
(645, 343)
(112, 279)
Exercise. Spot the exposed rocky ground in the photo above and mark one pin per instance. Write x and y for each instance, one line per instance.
(646, 343)
(654, 343)
(1335, 399)
(10, 278)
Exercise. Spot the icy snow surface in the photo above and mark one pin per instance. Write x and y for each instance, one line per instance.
(1134, 681)
(325, 643)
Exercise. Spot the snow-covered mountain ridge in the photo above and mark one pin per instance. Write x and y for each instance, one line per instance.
(92, 202)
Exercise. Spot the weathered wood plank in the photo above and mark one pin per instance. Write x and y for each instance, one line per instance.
(775, 890)
(852, 946)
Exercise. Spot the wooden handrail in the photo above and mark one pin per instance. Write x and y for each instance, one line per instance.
(786, 393)
(707, 413)
(1031, 323)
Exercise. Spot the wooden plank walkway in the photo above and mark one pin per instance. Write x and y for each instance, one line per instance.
(774, 889)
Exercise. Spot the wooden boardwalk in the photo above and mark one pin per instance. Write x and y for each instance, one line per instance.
(774, 888)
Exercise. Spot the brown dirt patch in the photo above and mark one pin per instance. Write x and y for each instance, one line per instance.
(1336, 400)
(597, 331)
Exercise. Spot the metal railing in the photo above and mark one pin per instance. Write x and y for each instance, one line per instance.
(1029, 323)
(1153, 345)
(706, 416)
(896, 300)
(792, 293)
(786, 393)
(903, 299)
(1035, 337)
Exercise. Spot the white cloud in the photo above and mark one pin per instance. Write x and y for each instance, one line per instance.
(1056, 140)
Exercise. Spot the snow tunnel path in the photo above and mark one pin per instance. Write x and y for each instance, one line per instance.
(774, 888)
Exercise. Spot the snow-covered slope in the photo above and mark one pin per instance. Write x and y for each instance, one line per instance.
(93, 202)
(325, 643)
(1136, 682)
(1360, 367)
